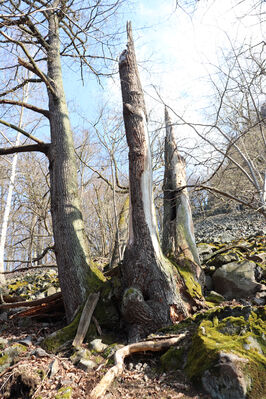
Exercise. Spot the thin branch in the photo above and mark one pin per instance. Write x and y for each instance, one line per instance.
(18, 129)
(44, 112)
(20, 86)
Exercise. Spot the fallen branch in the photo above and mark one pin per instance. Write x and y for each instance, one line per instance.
(52, 308)
(36, 302)
(120, 355)
(85, 318)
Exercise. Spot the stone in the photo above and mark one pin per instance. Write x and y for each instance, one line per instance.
(236, 280)
(51, 291)
(53, 368)
(80, 353)
(225, 379)
(222, 259)
(3, 342)
(87, 364)
(215, 297)
(39, 352)
(26, 341)
(208, 283)
(98, 346)
(227, 352)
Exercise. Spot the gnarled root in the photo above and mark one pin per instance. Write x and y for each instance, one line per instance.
(120, 355)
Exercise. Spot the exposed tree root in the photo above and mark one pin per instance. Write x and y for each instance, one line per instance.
(120, 355)
(85, 318)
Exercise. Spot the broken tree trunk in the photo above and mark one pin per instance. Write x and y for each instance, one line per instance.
(121, 237)
(178, 233)
(151, 295)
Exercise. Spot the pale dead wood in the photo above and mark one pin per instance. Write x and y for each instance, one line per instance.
(85, 318)
(154, 346)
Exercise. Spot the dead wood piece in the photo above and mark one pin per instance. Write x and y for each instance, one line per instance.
(120, 355)
(44, 309)
(85, 318)
(12, 299)
(26, 304)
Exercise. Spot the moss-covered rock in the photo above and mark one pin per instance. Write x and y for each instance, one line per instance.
(232, 348)
(10, 355)
(225, 351)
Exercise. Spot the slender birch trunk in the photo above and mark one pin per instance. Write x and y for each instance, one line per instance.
(10, 191)
(151, 298)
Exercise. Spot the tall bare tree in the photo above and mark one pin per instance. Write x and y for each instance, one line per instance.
(151, 297)
(37, 35)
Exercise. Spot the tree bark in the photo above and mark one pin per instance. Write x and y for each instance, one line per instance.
(71, 248)
(178, 235)
(178, 239)
(151, 294)
(121, 237)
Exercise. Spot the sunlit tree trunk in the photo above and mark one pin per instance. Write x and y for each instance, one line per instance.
(121, 237)
(71, 246)
(151, 297)
(178, 239)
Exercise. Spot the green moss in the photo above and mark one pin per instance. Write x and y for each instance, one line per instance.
(4, 359)
(21, 348)
(54, 341)
(242, 336)
(173, 359)
(192, 286)
(64, 393)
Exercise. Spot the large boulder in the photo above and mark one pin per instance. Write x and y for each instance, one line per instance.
(225, 352)
(236, 280)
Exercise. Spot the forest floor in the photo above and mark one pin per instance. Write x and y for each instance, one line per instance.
(46, 376)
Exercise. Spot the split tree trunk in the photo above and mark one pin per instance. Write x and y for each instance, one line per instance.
(121, 237)
(151, 294)
(178, 232)
(71, 247)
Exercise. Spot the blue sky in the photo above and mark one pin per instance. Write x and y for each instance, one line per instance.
(176, 52)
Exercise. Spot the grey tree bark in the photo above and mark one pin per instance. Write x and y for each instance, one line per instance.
(71, 248)
(151, 297)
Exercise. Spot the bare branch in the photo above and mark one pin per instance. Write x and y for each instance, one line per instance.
(44, 112)
(26, 148)
(18, 129)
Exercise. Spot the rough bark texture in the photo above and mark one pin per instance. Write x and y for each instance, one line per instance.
(178, 231)
(150, 287)
(70, 243)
